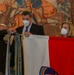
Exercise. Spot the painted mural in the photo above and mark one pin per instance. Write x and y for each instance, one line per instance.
(44, 11)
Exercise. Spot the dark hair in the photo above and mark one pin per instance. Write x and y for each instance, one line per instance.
(27, 13)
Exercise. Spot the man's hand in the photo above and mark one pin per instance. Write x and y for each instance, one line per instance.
(27, 34)
(10, 30)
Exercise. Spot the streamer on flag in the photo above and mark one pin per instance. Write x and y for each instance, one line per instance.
(17, 56)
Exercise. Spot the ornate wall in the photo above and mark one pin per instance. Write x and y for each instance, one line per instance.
(49, 13)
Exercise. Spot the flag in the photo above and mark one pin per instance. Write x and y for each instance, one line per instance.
(54, 52)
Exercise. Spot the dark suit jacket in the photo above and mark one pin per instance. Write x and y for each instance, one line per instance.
(2, 34)
(3, 47)
(35, 29)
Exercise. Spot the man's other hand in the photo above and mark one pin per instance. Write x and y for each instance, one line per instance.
(27, 34)
(10, 30)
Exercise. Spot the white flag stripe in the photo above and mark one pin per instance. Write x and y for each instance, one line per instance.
(39, 37)
(36, 54)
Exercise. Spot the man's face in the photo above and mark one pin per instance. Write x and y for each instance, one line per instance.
(27, 17)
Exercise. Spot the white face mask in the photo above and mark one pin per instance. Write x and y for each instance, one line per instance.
(26, 22)
(64, 31)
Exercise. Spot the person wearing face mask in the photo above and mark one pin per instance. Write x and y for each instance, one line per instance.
(29, 27)
(67, 29)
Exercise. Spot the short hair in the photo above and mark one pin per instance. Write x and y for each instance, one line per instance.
(27, 13)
